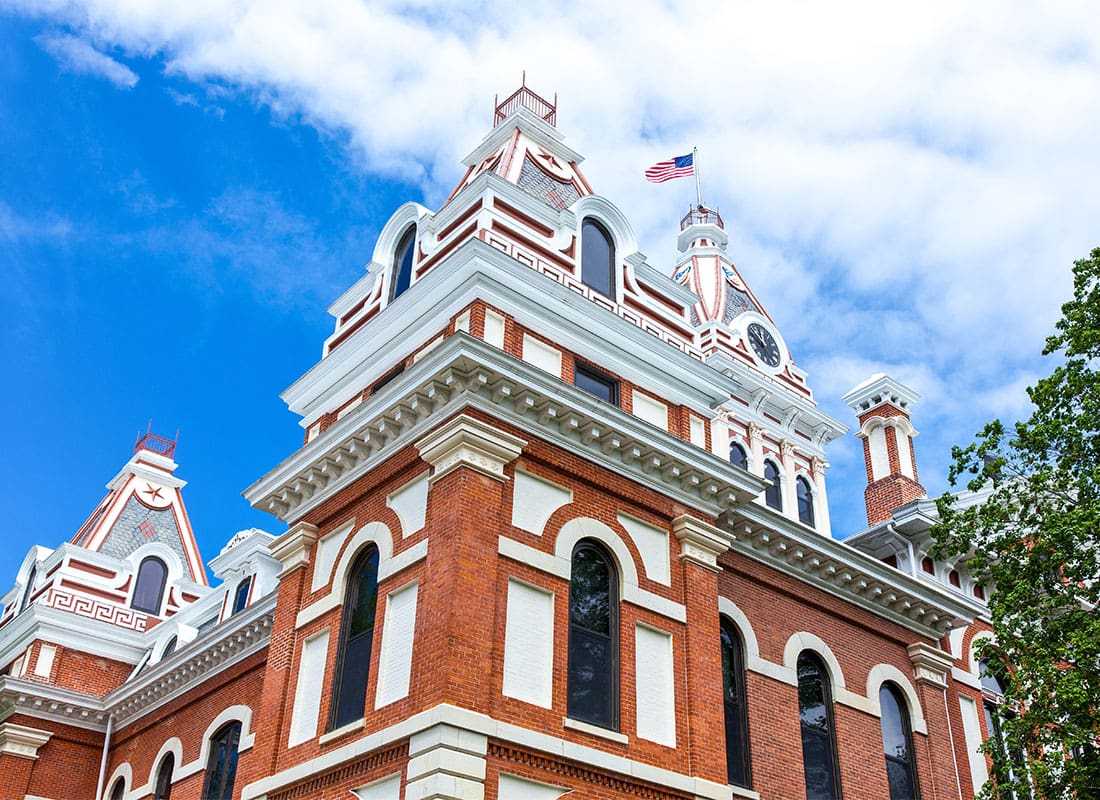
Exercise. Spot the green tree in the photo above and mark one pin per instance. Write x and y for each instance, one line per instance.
(1029, 524)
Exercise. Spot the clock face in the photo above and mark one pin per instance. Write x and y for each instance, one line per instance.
(764, 345)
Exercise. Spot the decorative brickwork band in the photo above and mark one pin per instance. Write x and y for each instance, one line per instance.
(19, 740)
(930, 665)
(700, 543)
(468, 442)
(293, 548)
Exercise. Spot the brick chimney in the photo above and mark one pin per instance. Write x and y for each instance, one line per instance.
(882, 407)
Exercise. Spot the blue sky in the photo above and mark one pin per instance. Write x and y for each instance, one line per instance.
(185, 188)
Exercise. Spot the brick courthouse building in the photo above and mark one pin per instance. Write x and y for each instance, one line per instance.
(559, 526)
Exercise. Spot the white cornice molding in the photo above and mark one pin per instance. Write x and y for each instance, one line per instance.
(469, 442)
(51, 703)
(880, 390)
(72, 631)
(466, 372)
(19, 740)
(229, 643)
(537, 130)
(476, 270)
(790, 547)
(700, 543)
(766, 401)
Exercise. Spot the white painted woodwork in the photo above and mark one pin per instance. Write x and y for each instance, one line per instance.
(652, 411)
(652, 544)
(880, 459)
(324, 556)
(44, 666)
(534, 500)
(310, 687)
(972, 732)
(529, 644)
(388, 788)
(542, 355)
(512, 787)
(410, 503)
(494, 329)
(395, 660)
(653, 678)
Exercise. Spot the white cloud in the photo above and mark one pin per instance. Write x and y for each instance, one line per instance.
(77, 55)
(905, 185)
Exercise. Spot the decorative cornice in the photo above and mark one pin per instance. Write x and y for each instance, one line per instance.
(293, 548)
(52, 703)
(700, 543)
(19, 740)
(464, 372)
(932, 666)
(229, 643)
(841, 570)
(468, 442)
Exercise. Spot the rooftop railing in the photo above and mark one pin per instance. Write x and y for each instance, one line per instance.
(525, 98)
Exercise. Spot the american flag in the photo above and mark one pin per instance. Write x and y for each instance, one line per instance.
(679, 167)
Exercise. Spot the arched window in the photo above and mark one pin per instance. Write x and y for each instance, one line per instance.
(773, 495)
(403, 263)
(32, 576)
(169, 648)
(1007, 763)
(805, 497)
(356, 640)
(597, 258)
(738, 456)
(221, 764)
(815, 705)
(149, 588)
(593, 682)
(736, 710)
(118, 791)
(240, 599)
(163, 788)
(897, 744)
(928, 565)
(954, 579)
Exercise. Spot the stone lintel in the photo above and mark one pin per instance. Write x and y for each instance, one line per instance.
(469, 442)
(700, 543)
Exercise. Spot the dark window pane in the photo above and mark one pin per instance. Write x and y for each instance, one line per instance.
(241, 598)
(897, 744)
(221, 765)
(163, 789)
(592, 681)
(31, 578)
(738, 457)
(805, 502)
(991, 682)
(773, 495)
(169, 648)
(596, 383)
(149, 588)
(900, 778)
(403, 261)
(357, 637)
(818, 747)
(118, 790)
(736, 718)
(597, 259)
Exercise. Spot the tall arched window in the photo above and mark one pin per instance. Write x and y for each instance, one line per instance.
(736, 710)
(169, 648)
(163, 788)
(897, 744)
(221, 764)
(240, 599)
(356, 639)
(815, 706)
(597, 258)
(773, 495)
(149, 588)
(805, 497)
(593, 681)
(403, 263)
(32, 576)
(996, 710)
(118, 791)
(738, 456)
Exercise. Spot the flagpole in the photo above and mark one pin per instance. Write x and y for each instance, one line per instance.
(695, 163)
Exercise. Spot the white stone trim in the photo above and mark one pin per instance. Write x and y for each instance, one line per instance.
(797, 643)
(972, 655)
(468, 442)
(535, 499)
(387, 788)
(173, 746)
(21, 740)
(883, 673)
(652, 543)
(700, 543)
(594, 730)
(326, 552)
(124, 771)
(410, 503)
(477, 724)
(293, 548)
(237, 713)
(378, 534)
